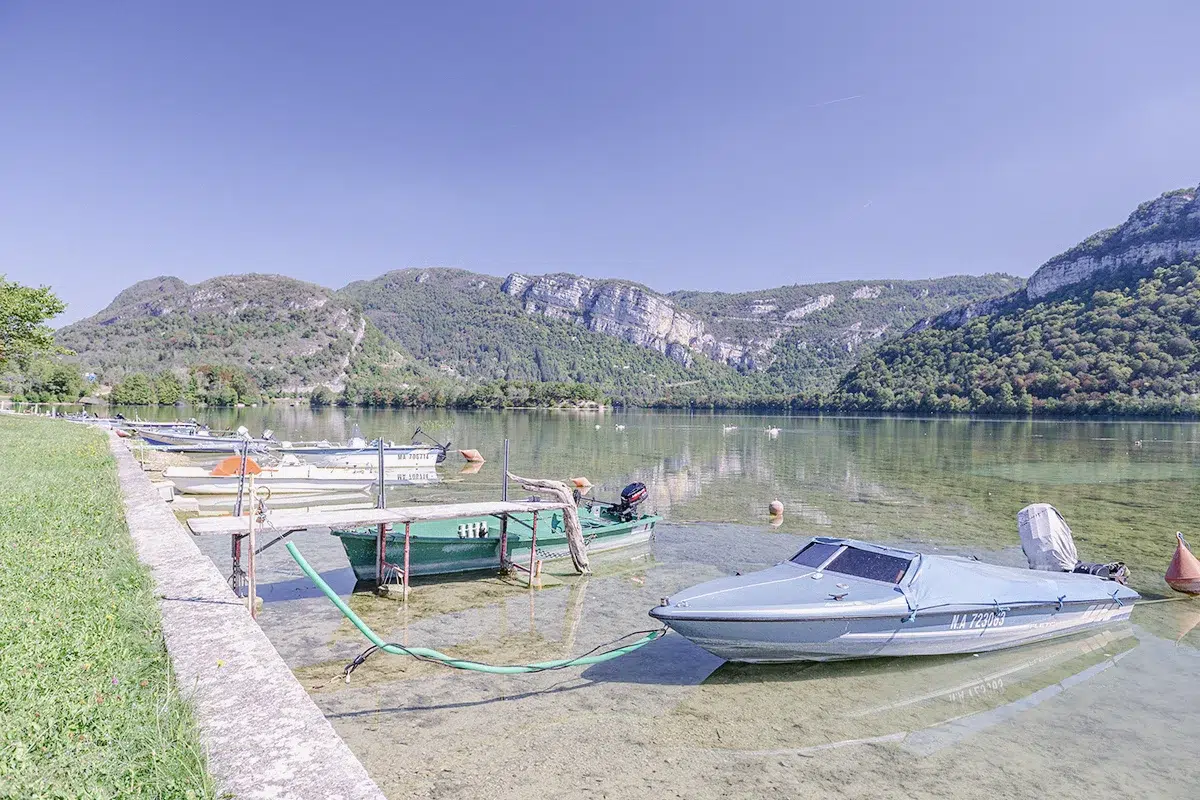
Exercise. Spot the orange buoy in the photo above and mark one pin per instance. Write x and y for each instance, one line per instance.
(471, 455)
(233, 466)
(581, 483)
(1183, 575)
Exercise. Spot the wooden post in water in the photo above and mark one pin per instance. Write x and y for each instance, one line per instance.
(407, 538)
(533, 548)
(235, 541)
(504, 519)
(251, 572)
(381, 529)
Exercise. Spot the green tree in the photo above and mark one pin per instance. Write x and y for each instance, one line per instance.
(321, 397)
(168, 388)
(23, 313)
(134, 390)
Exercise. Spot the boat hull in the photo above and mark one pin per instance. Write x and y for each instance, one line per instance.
(295, 480)
(435, 548)
(210, 485)
(366, 458)
(188, 443)
(929, 633)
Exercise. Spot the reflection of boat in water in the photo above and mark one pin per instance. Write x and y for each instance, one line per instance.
(842, 598)
(925, 704)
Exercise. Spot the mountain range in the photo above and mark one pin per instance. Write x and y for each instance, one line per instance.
(1111, 325)
(464, 327)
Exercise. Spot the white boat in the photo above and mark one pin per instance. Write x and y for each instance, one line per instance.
(197, 441)
(842, 598)
(363, 455)
(294, 479)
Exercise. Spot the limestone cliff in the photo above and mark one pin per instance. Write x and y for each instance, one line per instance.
(624, 310)
(745, 330)
(1160, 232)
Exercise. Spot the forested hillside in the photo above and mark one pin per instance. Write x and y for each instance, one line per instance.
(284, 333)
(462, 324)
(1101, 329)
(818, 331)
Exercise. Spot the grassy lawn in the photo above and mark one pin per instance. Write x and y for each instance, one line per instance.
(87, 702)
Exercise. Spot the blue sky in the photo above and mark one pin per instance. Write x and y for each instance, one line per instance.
(689, 144)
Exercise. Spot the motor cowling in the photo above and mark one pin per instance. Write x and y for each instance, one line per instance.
(631, 497)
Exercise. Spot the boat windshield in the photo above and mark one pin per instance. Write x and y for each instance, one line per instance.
(867, 564)
(815, 554)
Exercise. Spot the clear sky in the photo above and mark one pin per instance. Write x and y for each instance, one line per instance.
(685, 144)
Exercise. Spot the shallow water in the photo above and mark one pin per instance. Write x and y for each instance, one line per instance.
(1112, 714)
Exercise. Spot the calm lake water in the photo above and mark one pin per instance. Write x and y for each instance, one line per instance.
(1114, 714)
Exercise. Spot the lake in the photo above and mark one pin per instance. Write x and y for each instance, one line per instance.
(1111, 714)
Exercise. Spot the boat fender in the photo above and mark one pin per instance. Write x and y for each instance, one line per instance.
(1183, 573)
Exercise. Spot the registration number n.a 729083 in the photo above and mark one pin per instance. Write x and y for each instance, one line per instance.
(985, 619)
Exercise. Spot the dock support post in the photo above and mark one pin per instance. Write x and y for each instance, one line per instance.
(504, 519)
(504, 541)
(407, 538)
(380, 549)
(381, 530)
(238, 578)
(251, 571)
(533, 548)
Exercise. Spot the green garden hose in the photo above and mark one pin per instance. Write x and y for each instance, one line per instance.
(426, 654)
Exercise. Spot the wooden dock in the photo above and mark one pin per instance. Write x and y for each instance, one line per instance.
(363, 517)
(284, 523)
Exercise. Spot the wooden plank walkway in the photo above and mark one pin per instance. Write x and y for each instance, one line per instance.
(362, 517)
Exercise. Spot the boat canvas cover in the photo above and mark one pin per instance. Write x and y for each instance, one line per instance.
(1046, 538)
(945, 581)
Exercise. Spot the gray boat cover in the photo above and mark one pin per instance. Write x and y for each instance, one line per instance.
(1046, 538)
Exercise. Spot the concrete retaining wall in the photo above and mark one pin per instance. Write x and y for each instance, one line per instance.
(264, 736)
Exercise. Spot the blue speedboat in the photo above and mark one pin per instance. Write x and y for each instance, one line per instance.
(842, 598)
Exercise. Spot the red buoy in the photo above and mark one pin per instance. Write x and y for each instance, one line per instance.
(1183, 575)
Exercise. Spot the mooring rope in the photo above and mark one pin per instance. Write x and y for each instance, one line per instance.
(427, 654)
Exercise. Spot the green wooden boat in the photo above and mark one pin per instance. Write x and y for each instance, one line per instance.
(468, 544)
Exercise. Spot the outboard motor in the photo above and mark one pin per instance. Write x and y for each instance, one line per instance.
(1047, 543)
(631, 497)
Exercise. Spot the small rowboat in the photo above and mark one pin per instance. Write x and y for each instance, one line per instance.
(197, 441)
(842, 598)
(472, 544)
(290, 479)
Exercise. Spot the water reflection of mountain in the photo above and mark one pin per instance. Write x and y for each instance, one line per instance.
(1123, 486)
(925, 704)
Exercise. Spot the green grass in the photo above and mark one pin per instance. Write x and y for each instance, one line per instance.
(88, 706)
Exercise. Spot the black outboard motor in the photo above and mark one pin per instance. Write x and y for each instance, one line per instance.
(631, 497)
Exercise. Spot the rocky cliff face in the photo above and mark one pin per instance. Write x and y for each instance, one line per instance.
(743, 330)
(1163, 231)
(624, 310)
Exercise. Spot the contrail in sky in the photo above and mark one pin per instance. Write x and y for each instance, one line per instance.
(839, 100)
